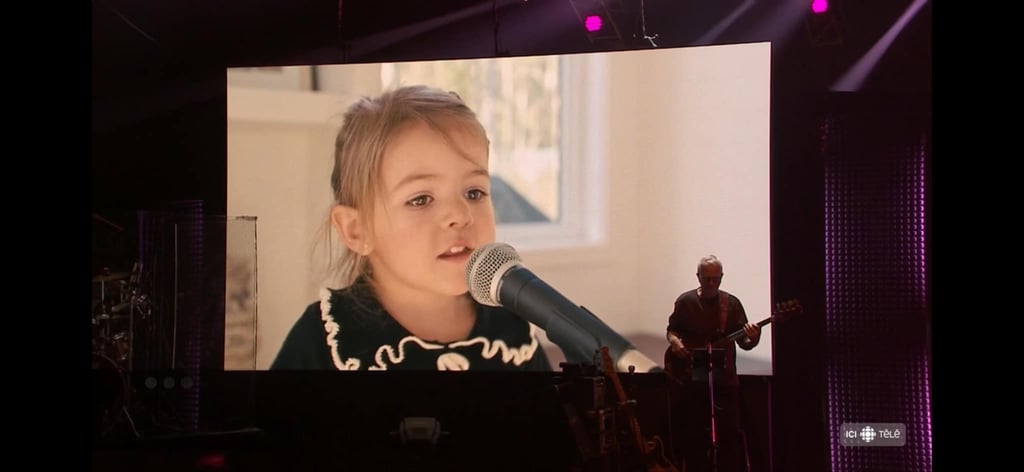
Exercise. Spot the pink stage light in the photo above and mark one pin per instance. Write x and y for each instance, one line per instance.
(819, 6)
(592, 23)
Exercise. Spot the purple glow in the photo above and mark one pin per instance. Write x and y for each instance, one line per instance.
(855, 221)
(593, 23)
(922, 274)
(853, 78)
(819, 6)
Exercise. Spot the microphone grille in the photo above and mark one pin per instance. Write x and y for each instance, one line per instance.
(483, 267)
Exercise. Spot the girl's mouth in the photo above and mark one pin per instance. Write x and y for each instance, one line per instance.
(455, 252)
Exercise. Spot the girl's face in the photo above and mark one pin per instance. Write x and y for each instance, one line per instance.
(433, 209)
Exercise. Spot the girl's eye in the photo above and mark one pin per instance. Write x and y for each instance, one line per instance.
(419, 201)
(476, 194)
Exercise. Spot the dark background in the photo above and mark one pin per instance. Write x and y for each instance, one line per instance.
(850, 171)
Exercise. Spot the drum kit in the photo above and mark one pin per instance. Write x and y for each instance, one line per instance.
(118, 309)
(116, 315)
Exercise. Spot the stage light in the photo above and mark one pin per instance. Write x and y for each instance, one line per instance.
(212, 461)
(599, 18)
(823, 25)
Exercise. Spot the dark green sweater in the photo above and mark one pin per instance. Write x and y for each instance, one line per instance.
(349, 330)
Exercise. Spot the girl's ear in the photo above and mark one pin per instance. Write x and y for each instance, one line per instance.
(346, 220)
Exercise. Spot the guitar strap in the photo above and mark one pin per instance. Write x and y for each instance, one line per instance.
(723, 310)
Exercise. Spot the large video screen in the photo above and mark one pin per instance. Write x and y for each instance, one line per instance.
(612, 175)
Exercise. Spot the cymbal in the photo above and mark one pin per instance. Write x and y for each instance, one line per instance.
(110, 277)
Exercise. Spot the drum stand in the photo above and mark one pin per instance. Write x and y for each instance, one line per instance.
(103, 320)
(118, 342)
(113, 350)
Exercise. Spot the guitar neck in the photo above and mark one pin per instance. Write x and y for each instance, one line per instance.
(739, 333)
(620, 393)
(638, 437)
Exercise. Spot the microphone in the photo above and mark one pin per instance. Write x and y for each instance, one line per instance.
(496, 277)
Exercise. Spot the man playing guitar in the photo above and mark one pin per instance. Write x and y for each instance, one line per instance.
(702, 316)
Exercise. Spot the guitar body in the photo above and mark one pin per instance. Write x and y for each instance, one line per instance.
(660, 464)
(678, 368)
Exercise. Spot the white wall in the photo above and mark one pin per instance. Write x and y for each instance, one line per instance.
(688, 150)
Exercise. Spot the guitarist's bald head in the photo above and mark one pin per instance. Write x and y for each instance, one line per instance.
(708, 261)
(709, 274)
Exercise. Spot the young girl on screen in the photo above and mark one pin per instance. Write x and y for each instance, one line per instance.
(412, 201)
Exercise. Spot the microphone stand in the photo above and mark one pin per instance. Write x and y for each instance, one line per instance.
(711, 401)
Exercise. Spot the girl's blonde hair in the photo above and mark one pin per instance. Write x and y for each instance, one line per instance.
(368, 125)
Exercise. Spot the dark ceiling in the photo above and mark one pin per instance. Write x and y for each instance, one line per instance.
(158, 70)
(202, 34)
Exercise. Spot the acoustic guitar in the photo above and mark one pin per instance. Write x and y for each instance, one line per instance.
(679, 368)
